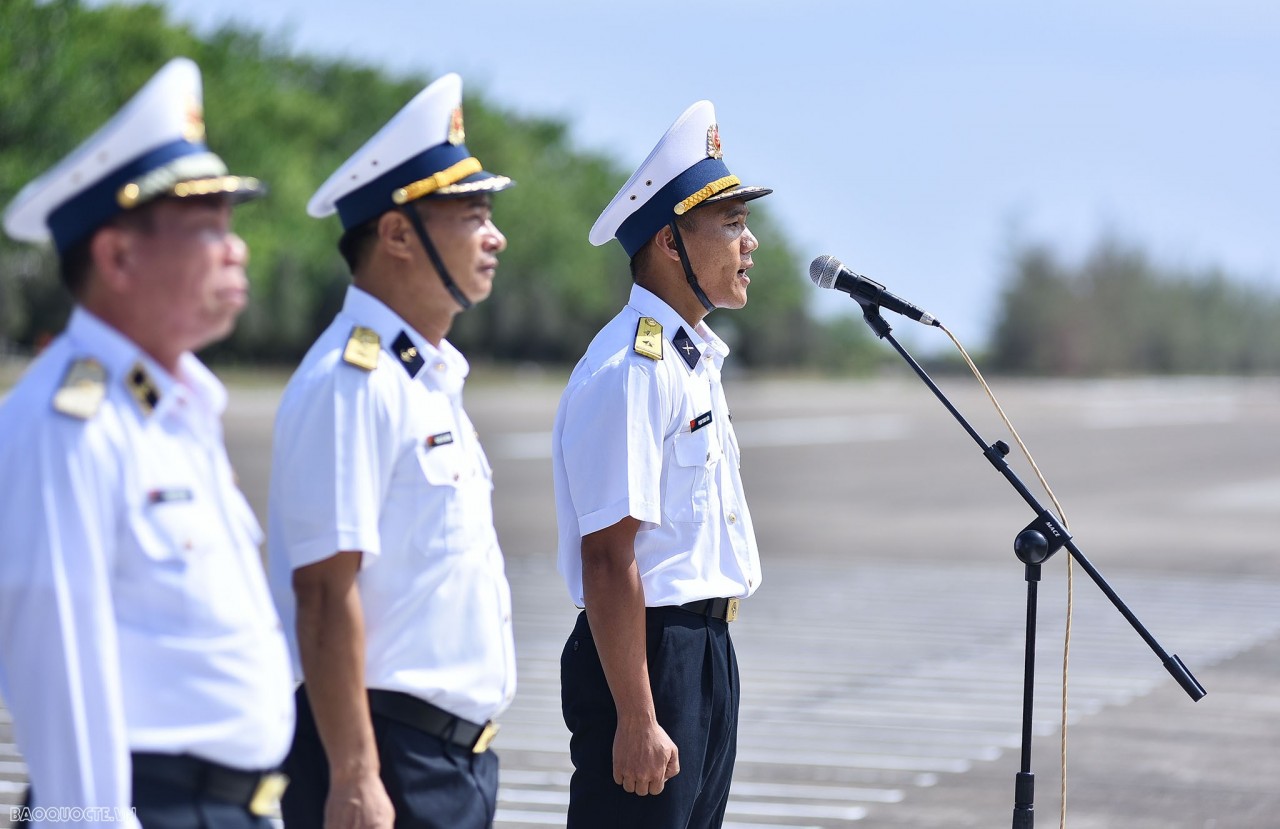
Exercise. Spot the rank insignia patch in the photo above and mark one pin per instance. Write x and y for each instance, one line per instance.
(649, 338)
(362, 348)
(407, 353)
(83, 388)
(685, 348)
(700, 421)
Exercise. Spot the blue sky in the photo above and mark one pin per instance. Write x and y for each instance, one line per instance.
(916, 141)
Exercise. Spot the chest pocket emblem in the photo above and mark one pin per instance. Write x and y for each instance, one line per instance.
(442, 439)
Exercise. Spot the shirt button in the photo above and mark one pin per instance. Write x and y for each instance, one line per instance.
(439, 366)
(733, 518)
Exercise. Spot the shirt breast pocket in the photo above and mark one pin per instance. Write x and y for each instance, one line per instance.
(444, 471)
(695, 456)
(178, 539)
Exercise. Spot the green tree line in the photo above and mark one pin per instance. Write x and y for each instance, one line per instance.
(1118, 312)
(291, 120)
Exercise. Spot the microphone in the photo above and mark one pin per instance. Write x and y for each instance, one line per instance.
(829, 272)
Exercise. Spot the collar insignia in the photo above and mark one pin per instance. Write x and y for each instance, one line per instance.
(143, 388)
(407, 353)
(362, 348)
(649, 338)
(83, 388)
(686, 349)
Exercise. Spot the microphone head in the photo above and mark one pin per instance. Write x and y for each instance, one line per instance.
(823, 270)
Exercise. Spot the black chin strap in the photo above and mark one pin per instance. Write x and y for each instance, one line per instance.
(688, 270)
(432, 254)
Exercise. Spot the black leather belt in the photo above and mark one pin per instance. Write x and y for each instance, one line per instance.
(422, 715)
(257, 791)
(723, 609)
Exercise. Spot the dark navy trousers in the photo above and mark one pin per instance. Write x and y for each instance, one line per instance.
(694, 676)
(433, 784)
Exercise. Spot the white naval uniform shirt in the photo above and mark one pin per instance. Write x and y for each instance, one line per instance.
(632, 437)
(387, 462)
(134, 614)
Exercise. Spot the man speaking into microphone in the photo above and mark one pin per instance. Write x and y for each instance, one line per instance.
(655, 538)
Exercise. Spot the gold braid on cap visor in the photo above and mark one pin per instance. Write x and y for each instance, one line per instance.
(447, 176)
(706, 193)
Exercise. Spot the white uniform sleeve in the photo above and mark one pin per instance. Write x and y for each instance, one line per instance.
(333, 456)
(59, 658)
(612, 445)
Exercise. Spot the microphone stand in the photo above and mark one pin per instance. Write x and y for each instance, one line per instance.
(1039, 540)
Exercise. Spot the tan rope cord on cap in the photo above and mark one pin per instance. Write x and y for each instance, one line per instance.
(449, 175)
(1066, 644)
(705, 193)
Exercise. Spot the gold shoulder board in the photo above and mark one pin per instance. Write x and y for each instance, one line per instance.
(82, 390)
(649, 338)
(362, 348)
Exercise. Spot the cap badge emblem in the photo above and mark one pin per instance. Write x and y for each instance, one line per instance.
(193, 128)
(456, 133)
(713, 142)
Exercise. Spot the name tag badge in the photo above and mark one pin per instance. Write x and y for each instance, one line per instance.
(442, 439)
(170, 495)
(699, 421)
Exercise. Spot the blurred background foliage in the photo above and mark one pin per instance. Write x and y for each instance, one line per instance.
(291, 119)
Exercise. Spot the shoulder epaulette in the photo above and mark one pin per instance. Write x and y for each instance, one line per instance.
(82, 390)
(649, 338)
(362, 348)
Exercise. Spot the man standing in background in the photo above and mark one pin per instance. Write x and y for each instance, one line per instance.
(383, 556)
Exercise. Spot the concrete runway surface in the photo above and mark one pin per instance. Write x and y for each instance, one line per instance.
(882, 656)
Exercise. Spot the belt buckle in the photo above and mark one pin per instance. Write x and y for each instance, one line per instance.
(266, 797)
(731, 610)
(487, 734)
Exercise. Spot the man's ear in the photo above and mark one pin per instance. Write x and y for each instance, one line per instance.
(665, 242)
(112, 254)
(396, 234)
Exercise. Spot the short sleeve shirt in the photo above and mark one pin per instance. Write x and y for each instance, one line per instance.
(385, 461)
(134, 612)
(651, 438)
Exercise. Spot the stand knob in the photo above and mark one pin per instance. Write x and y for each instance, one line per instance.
(1031, 547)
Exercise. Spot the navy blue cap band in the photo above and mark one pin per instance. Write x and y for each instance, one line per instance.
(374, 198)
(659, 210)
(88, 210)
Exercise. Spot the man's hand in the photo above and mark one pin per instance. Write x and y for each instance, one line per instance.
(644, 758)
(360, 803)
